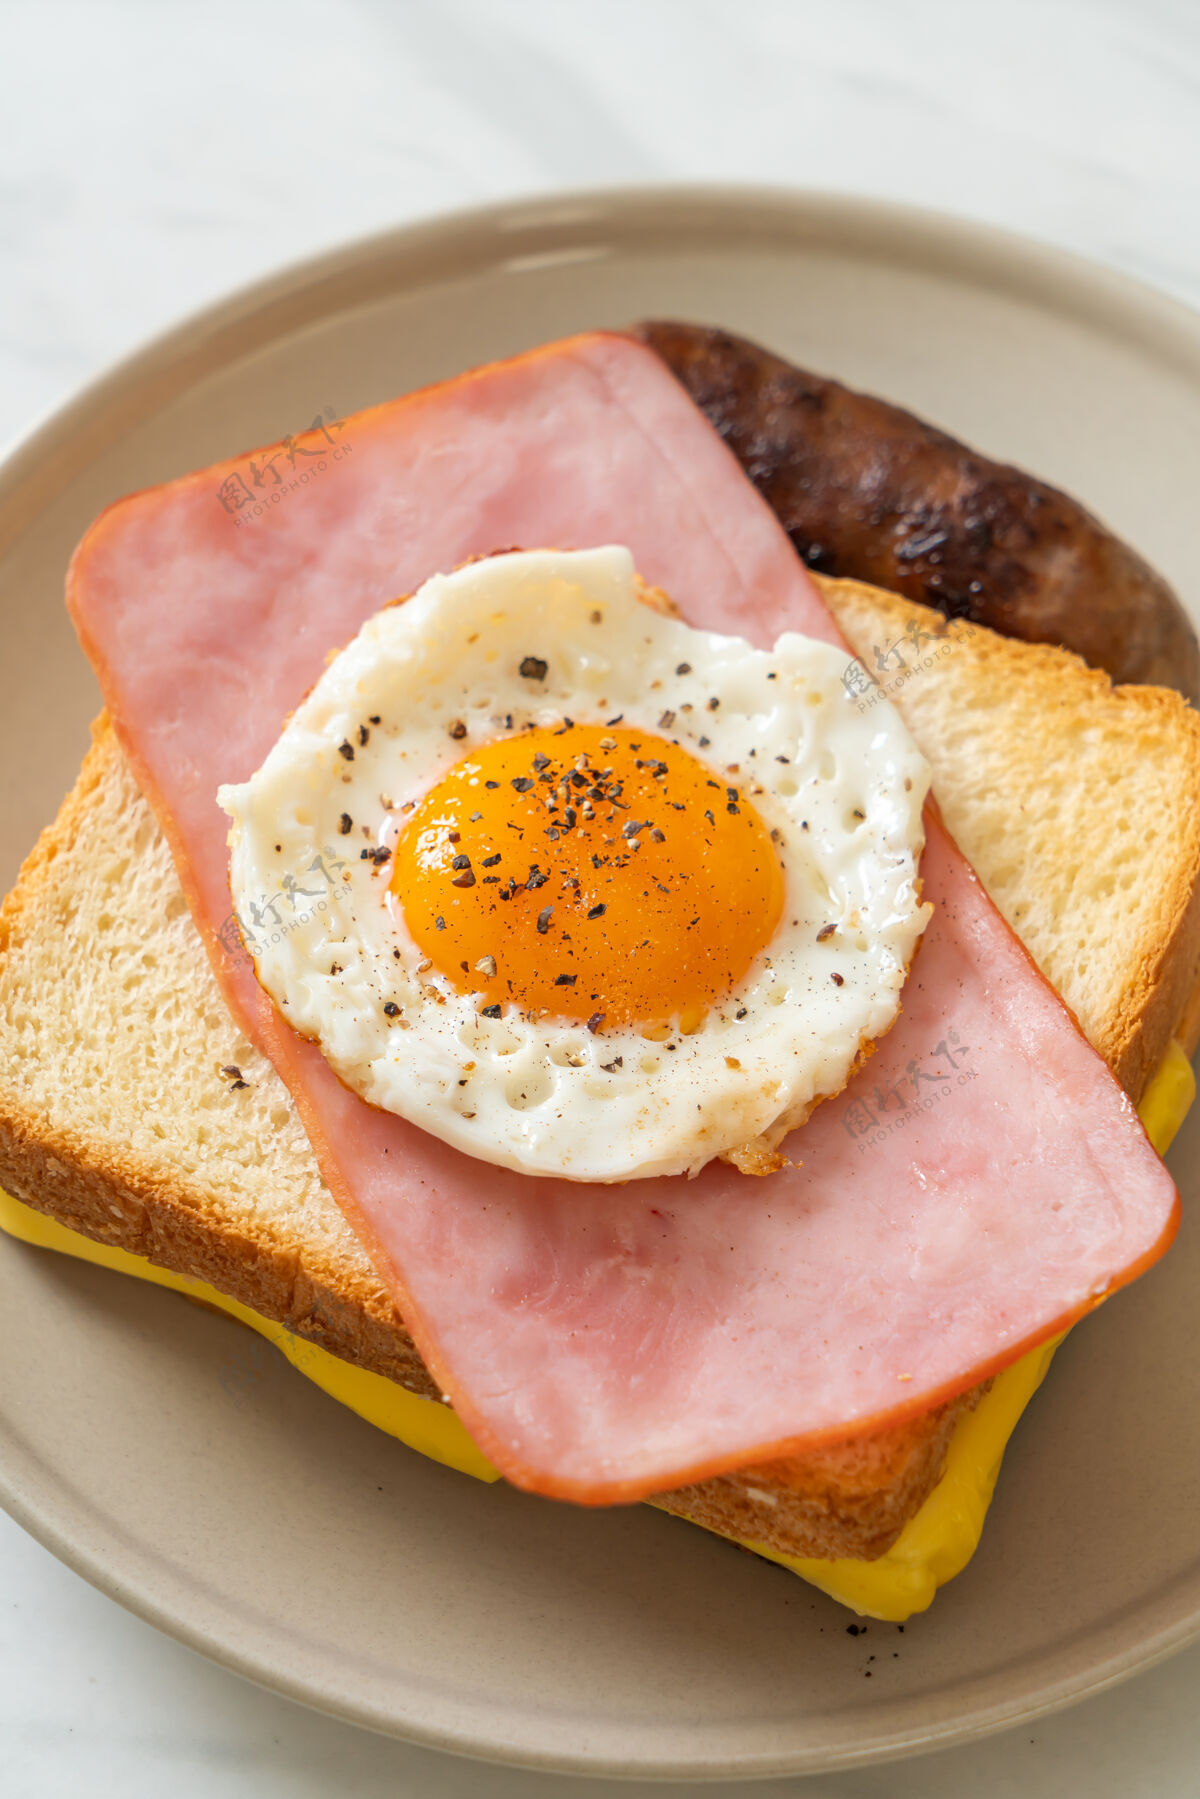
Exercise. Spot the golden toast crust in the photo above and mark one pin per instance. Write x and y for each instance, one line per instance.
(1101, 785)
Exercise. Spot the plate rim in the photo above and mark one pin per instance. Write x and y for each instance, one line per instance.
(1071, 282)
(43, 459)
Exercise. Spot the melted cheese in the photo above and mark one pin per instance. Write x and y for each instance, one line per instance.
(934, 1546)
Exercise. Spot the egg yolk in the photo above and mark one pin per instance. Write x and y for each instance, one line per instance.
(599, 874)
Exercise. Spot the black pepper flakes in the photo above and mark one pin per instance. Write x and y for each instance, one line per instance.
(346, 750)
(534, 668)
(595, 1021)
(461, 861)
(345, 824)
(826, 930)
(458, 730)
(364, 736)
(491, 1011)
(565, 980)
(543, 920)
(440, 922)
(391, 1009)
(684, 668)
(522, 783)
(839, 980)
(491, 861)
(465, 879)
(597, 911)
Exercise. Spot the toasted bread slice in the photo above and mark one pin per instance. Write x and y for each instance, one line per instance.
(1075, 801)
(1078, 803)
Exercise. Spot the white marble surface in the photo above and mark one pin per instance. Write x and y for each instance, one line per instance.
(154, 155)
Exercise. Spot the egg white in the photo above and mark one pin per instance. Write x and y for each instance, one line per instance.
(535, 1094)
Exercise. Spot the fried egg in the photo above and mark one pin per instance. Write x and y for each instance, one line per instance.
(574, 887)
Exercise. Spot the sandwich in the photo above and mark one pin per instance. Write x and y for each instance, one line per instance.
(410, 1229)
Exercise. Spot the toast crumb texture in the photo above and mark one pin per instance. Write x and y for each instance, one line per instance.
(1078, 803)
(115, 1115)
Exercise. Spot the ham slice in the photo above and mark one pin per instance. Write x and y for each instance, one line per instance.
(981, 1184)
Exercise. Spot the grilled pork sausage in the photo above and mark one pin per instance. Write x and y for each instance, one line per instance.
(866, 490)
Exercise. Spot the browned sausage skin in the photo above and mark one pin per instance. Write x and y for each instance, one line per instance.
(864, 489)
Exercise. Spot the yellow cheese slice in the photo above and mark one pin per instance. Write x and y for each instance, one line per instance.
(934, 1546)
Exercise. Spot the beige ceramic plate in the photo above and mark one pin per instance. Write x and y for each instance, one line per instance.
(256, 1520)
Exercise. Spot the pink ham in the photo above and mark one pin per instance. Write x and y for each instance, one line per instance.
(984, 1181)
